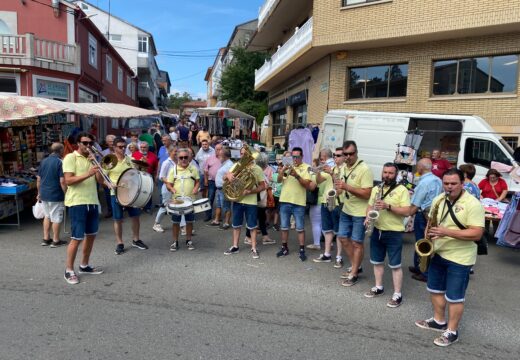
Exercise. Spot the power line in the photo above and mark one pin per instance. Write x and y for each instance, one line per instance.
(189, 76)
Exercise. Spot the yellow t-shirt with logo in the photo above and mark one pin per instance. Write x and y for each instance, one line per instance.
(252, 199)
(82, 193)
(292, 191)
(115, 173)
(398, 197)
(361, 177)
(469, 212)
(183, 180)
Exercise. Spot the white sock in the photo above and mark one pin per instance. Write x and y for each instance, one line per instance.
(398, 294)
(379, 287)
(326, 254)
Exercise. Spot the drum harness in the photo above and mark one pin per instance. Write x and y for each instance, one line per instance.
(181, 178)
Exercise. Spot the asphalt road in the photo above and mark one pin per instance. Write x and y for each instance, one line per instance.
(201, 304)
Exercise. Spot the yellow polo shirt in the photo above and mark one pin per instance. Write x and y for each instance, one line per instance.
(82, 193)
(115, 173)
(252, 199)
(328, 185)
(360, 177)
(183, 180)
(469, 212)
(398, 197)
(292, 191)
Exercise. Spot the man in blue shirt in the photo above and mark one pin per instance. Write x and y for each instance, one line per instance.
(428, 187)
(163, 154)
(51, 192)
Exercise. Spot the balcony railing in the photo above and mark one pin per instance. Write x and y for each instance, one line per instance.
(302, 37)
(264, 11)
(30, 51)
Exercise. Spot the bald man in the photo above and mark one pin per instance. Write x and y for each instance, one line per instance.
(428, 187)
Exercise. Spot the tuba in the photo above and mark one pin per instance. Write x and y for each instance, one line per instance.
(424, 247)
(244, 178)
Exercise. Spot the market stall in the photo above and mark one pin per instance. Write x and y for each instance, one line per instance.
(226, 122)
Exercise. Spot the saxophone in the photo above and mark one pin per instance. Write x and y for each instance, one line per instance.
(332, 194)
(424, 247)
(244, 178)
(373, 214)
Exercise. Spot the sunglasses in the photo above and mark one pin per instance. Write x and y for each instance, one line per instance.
(183, 158)
(338, 155)
(121, 146)
(349, 153)
(87, 143)
(296, 156)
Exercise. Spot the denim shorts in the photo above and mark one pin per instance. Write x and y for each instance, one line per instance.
(288, 209)
(448, 278)
(222, 202)
(351, 227)
(189, 218)
(243, 210)
(117, 210)
(329, 219)
(84, 220)
(386, 242)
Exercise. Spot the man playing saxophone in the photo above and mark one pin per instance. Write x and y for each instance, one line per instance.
(460, 222)
(392, 201)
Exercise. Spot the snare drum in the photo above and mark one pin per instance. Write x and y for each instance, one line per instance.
(134, 188)
(201, 205)
(179, 206)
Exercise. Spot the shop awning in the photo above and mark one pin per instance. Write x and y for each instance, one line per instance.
(13, 107)
(223, 112)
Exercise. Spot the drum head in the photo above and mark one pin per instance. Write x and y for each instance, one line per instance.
(129, 185)
(200, 201)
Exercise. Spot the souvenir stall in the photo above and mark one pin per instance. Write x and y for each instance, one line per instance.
(226, 122)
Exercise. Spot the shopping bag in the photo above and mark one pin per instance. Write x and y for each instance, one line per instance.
(37, 210)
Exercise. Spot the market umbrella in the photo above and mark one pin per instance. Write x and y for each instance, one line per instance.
(24, 107)
(223, 112)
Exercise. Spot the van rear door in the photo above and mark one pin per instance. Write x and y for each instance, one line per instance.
(334, 127)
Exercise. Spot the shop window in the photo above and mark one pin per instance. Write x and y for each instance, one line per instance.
(92, 50)
(300, 115)
(108, 74)
(378, 81)
(143, 44)
(482, 152)
(490, 74)
(279, 123)
(8, 85)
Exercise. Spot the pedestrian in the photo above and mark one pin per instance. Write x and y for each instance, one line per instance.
(455, 253)
(356, 181)
(222, 205)
(210, 169)
(81, 198)
(204, 153)
(392, 202)
(469, 185)
(51, 187)
(166, 167)
(174, 134)
(184, 134)
(203, 134)
(439, 165)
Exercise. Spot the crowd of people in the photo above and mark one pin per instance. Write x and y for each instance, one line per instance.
(277, 201)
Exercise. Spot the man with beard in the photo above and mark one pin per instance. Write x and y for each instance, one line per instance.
(392, 201)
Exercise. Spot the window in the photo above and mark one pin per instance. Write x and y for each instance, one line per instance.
(120, 78)
(108, 71)
(378, 81)
(345, 3)
(84, 6)
(92, 50)
(143, 44)
(482, 152)
(128, 86)
(511, 141)
(300, 115)
(133, 90)
(279, 122)
(115, 123)
(8, 85)
(492, 74)
(115, 37)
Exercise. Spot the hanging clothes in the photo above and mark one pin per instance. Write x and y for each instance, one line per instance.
(315, 133)
(302, 138)
(506, 221)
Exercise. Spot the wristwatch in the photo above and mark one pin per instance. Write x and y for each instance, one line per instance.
(389, 207)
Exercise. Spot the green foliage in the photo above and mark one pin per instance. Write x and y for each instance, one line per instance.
(238, 83)
(176, 100)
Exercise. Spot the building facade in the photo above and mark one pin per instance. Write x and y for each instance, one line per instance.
(390, 55)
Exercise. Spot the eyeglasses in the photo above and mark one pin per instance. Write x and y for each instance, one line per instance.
(296, 156)
(121, 146)
(338, 155)
(183, 158)
(87, 143)
(349, 153)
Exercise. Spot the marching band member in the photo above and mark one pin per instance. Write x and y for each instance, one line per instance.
(183, 181)
(392, 201)
(166, 167)
(146, 155)
(357, 181)
(222, 205)
(123, 163)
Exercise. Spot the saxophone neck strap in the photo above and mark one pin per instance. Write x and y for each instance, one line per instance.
(449, 204)
(392, 187)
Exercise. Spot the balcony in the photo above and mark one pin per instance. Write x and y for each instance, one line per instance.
(147, 95)
(26, 50)
(297, 44)
(265, 10)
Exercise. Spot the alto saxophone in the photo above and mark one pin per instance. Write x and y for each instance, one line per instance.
(424, 247)
(373, 214)
(332, 194)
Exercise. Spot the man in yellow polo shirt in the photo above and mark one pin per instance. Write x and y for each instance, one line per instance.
(455, 253)
(392, 201)
(356, 181)
(82, 200)
(183, 182)
(247, 207)
(123, 163)
(293, 199)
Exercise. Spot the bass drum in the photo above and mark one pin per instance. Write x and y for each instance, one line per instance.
(134, 188)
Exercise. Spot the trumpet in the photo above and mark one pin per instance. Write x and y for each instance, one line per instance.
(373, 214)
(107, 162)
(316, 169)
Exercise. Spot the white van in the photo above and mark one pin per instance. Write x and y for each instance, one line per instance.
(378, 133)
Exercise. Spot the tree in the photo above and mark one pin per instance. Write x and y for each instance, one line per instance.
(176, 100)
(238, 83)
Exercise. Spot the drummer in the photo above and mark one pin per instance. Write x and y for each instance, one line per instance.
(123, 163)
(183, 182)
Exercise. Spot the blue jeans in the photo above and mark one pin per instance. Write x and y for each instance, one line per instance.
(107, 199)
(330, 219)
(351, 227)
(248, 211)
(222, 202)
(118, 210)
(448, 278)
(419, 225)
(84, 220)
(212, 189)
(288, 209)
(386, 242)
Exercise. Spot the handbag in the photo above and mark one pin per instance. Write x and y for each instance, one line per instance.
(37, 210)
(312, 196)
(482, 244)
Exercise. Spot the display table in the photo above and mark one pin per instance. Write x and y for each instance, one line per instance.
(10, 208)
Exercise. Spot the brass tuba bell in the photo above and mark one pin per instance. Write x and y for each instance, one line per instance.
(244, 177)
(109, 161)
